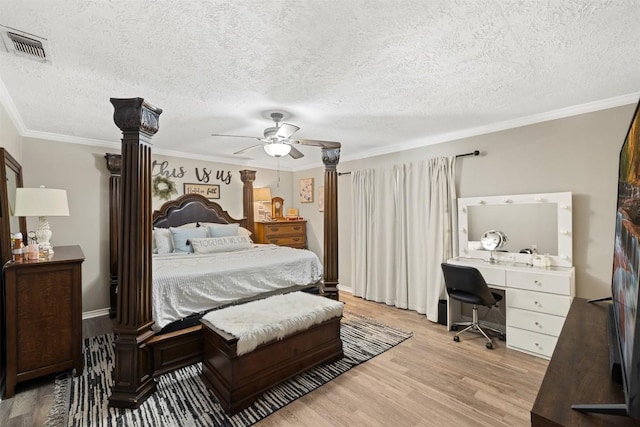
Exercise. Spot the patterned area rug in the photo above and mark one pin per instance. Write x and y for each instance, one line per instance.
(182, 398)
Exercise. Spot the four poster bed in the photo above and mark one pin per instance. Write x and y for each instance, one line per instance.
(149, 344)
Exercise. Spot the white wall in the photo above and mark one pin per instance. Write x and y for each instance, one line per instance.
(577, 154)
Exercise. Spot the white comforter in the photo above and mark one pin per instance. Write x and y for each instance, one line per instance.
(190, 283)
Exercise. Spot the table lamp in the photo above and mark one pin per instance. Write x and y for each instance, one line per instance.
(261, 195)
(42, 202)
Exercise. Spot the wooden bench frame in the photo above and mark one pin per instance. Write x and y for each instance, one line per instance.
(238, 381)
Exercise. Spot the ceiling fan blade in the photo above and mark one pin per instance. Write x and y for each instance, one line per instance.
(248, 148)
(295, 153)
(237, 136)
(286, 130)
(317, 143)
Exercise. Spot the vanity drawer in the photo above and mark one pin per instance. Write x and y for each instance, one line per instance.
(539, 282)
(538, 301)
(493, 276)
(531, 342)
(536, 322)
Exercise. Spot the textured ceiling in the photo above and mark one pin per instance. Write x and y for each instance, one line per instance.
(377, 76)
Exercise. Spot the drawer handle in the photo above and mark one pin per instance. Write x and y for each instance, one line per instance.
(296, 228)
(536, 303)
(537, 283)
(296, 239)
(537, 324)
(274, 241)
(536, 344)
(275, 229)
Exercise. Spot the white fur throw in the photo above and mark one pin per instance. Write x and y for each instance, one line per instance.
(261, 321)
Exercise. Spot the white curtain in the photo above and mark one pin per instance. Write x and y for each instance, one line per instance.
(403, 222)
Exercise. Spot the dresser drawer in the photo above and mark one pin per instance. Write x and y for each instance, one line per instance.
(539, 282)
(535, 322)
(538, 301)
(283, 229)
(294, 241)
(531, 342)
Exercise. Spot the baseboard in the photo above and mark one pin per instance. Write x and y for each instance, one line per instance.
(95, 313)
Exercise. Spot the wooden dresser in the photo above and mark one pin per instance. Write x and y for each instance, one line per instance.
(283, 233)
(44, 316)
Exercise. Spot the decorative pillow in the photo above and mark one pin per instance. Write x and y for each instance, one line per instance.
(223, 230)
(221, 244)
(243, 232)
(163, 241)
(182, 237)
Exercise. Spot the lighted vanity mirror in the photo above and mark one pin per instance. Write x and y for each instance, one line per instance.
(543, 220)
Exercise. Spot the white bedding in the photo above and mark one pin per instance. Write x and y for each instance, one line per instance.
(184, 284)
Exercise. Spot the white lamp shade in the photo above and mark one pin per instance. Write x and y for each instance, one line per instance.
(41, 202)
(262, 194)
(277, 149)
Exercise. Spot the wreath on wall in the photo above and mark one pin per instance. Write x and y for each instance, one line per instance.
(163, 187)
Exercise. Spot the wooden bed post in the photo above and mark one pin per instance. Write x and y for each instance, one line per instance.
(114, 166)
(330, 158)
(133, 382)
(247, 178)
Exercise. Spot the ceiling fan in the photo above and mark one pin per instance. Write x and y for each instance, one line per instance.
(277, 140)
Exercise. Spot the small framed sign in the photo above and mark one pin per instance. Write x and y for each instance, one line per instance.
(210, 191)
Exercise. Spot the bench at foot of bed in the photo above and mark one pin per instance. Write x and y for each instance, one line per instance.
(249, 349)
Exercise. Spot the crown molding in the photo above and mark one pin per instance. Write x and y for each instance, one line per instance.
(560, 113)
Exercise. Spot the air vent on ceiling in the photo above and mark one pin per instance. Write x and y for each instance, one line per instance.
(25, 45)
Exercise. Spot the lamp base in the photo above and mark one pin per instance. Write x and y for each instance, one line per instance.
(44, 235)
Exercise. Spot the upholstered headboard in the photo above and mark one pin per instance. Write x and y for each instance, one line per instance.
(192, 208)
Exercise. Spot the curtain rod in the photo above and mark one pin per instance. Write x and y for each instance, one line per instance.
(475, 153)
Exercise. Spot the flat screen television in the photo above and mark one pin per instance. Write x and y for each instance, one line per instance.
(625, 281)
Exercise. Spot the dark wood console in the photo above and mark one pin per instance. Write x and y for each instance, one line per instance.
(578, 372)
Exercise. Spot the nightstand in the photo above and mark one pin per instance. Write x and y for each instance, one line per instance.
(43, 316)
(283, 233)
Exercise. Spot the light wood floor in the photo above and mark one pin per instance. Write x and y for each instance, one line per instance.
(428, 380)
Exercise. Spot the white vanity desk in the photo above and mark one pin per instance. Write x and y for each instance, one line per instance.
(537, 299)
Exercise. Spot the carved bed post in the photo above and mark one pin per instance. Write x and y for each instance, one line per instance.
(330, 158)
(114, 166)
(247, 178)
(133, 382)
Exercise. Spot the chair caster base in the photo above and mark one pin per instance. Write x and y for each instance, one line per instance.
(489, 345)
(456, 338)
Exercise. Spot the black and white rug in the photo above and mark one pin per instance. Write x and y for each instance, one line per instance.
(182, 399)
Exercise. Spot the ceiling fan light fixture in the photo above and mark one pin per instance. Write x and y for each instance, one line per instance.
(277, 149)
